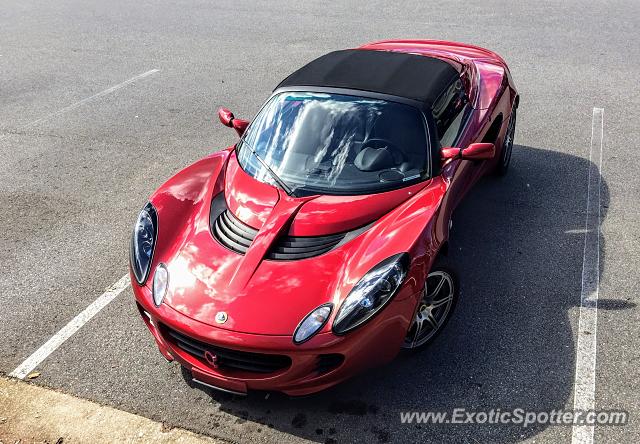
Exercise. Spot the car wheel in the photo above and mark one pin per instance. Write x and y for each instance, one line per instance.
(439, 298)
(507, 146)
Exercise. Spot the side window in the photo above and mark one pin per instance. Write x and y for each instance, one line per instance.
(449, 112)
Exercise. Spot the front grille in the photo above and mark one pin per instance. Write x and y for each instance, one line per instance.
(233, 233)
(289, 248)
(228, 358)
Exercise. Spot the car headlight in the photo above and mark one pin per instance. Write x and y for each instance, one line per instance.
(143, 243)
(160, 284)
(312, 323)
(371, 293)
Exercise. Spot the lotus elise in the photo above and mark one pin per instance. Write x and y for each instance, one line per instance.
(316, 246)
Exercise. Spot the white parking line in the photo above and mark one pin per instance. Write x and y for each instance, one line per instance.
(76, 323)
(73, 326)
(585, 378)
(83, 101)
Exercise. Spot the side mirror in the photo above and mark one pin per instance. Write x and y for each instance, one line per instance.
(475, 151)
(228, 119)
(225, 116)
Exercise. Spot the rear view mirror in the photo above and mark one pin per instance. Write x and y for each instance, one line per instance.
(228, 119)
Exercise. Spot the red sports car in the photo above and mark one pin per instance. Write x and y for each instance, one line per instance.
(315, 247)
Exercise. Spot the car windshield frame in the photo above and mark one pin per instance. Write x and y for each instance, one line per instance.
(305, 189)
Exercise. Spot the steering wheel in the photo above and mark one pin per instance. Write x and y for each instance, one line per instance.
(384, 144)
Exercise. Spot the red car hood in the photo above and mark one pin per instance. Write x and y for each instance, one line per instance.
(266, 296)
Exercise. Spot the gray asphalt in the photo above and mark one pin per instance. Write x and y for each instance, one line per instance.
(71, 186)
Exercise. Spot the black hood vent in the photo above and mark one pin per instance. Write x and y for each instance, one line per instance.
(289, 248)
(228, 229)
(232, 233)
(237, 236)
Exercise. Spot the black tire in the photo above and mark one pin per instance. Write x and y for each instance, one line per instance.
(440, 270)
(507, 146)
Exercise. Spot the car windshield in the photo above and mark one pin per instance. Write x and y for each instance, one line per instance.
(318, 143)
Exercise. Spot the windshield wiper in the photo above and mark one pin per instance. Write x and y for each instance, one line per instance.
(287, 189)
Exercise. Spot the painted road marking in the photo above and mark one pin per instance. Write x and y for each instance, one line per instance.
(585, 378)
(68, 330)
(83, 101)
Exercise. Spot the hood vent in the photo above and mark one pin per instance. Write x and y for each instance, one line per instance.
(228, 229)
(289, 248)
(232, 233)
(237, 236)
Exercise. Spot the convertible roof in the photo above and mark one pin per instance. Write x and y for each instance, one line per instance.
(412, 76)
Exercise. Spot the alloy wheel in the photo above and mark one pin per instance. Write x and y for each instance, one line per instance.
(433, 309)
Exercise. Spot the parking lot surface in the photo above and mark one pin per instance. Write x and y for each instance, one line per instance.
(101, 102)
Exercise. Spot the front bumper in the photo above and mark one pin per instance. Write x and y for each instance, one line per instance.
(375, 343)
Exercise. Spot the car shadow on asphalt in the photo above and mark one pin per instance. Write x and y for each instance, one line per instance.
(517, 243)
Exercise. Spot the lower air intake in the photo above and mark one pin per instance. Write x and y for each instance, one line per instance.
(227, 358)
(328, 362)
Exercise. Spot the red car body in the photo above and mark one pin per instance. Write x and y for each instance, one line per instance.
(265, 300)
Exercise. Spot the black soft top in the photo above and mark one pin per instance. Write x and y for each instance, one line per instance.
(400, 74)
